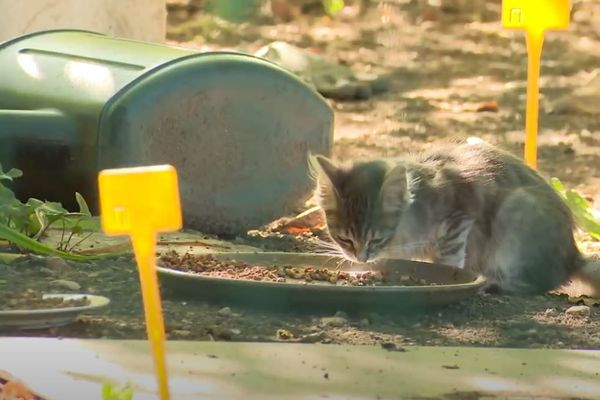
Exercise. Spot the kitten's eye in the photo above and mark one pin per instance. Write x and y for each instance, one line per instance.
(377, 241)
(345, 241)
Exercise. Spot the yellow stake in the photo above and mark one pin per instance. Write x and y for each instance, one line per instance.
(535, 17)
(140, 202)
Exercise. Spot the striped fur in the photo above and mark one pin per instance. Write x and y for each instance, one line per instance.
(468, 205)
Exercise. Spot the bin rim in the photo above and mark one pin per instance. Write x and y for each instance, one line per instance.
(25, 36)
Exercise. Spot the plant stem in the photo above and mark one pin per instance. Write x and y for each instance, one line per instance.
(81, 241)
(62, 234)
(34, 246)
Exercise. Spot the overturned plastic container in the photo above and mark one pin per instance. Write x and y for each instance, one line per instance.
(237, 128)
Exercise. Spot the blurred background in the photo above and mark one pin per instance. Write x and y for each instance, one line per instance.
(451, 72)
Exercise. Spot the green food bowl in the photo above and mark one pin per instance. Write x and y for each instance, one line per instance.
(446, 285)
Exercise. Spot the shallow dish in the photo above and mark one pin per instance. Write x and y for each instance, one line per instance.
(50, 317)
(451, 286)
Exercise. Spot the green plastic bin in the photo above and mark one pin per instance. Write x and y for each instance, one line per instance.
(238, 128)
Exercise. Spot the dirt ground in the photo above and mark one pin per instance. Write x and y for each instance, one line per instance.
(440, 66)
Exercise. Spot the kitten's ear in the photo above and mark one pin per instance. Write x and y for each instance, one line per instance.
(396, 189)
(326, 173)
(322, 165)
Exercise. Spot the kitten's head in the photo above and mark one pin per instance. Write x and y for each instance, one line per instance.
(363, 204)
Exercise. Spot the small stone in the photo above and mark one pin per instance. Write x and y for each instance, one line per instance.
(374, 318)
(219, 333)
(47, 271)
(391, 346)
(225, 312)
(585, 134)
(578, 311)
(450, 366)
(550, 312)
(364, 322)
(313, 337)
(63, 283)
(341, 314)
(333, 321)
(182, 333)
(56, 264)
(283, 334)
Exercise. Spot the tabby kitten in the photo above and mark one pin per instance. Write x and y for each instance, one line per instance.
(471, 206)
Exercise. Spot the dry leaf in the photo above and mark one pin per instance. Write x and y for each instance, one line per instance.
(486, 106)
(12, 388)
(309, 221)
(585, 300)
(491, 106)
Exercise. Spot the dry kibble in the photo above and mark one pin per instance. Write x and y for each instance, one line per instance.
(210, 265)
(33, 300)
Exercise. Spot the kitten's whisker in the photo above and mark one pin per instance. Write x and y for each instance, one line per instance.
(327, 244)
(411, 245)
(331, 249)
(324, 243)
(328, 251)
(340, 263)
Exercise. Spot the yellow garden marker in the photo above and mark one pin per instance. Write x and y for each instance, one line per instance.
(140, 202)
(535, 17)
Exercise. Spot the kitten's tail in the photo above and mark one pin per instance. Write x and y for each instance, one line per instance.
(589, 274)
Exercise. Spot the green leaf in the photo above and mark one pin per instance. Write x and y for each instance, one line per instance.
(111, 392)
(557, 185)
(14, 173)
(10, 174)
(42, 219)
(83, 207)
(53, 208)
(580, 207)
(35, 203)
(127, 394)
(7, 197)
(107, 391)
(34, 246)
(17, 213)
(333, 7)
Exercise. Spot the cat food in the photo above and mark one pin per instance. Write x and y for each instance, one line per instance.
(209, 265)
(33, 300)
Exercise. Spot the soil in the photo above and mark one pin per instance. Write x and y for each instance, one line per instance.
(450, 78)
(491, 320)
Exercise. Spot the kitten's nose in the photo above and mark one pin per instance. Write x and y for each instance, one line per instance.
(362, 255)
